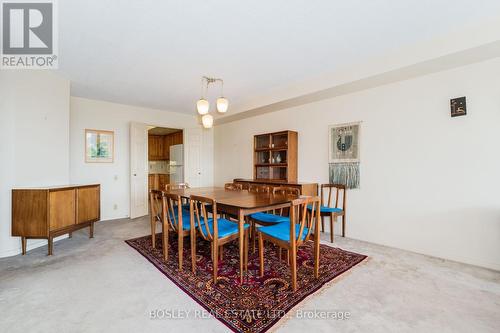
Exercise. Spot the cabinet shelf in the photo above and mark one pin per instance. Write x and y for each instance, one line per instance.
(272, 148)
(272, 164)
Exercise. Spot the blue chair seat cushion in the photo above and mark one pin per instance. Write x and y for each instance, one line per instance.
(269, 218)
(325, 209)
(186, 220)
(224, 227)
(281, 231)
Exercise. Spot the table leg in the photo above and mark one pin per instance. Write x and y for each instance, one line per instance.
(316, 244)
(241, 222)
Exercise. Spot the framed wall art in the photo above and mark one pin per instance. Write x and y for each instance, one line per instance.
(99, 146)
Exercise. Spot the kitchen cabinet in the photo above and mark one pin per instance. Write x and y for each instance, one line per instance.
(163, 179)
(152, 182)
(167, 141)
(176, 138)
(159, 145)
(157, 181)
(154, 147)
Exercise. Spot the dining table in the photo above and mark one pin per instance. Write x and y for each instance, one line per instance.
(243, 203)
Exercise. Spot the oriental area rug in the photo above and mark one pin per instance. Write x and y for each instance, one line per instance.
(260, 302)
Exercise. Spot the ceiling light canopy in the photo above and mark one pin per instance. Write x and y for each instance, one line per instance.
(203, 106)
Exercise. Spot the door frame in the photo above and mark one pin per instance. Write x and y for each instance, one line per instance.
(149, 126)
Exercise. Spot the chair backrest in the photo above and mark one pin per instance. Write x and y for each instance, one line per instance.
(179, 186)
(233, 187)
(155, 204)
(336, 195)
(303, 213)
(199, 215)
(284, 190)
(172, 210)
(254, 188)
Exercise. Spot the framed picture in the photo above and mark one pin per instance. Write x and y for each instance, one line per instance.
(458, 107)
(344, 143)
(99, 146)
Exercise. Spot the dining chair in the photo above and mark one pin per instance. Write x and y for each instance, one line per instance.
(255, 188)
(179, 186)
(233, 187)
(217, 231)
(277, 216)
(155, 207)
(292, 234)
(177, 220)
(334, 207)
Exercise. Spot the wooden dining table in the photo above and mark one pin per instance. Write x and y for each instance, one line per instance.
(243, 203)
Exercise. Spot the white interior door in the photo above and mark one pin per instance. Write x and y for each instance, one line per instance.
(192, 157)
(138, 170)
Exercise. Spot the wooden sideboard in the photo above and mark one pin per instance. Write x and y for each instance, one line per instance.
(49, 212)
(305, 188)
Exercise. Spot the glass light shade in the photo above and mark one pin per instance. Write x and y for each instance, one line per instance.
(222, 104)
(202, 106)
(207, 121)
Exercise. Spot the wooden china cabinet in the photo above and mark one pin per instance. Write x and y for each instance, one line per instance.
(275, 156)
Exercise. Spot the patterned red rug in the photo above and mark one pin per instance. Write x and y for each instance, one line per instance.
(259, 303)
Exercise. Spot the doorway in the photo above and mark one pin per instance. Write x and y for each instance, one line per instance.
(180, 165)
(165, 157)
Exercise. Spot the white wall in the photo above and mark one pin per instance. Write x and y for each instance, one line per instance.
(115, 177)
(429, 182)
(34, 140)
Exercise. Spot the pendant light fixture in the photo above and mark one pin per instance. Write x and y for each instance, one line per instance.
(207, 121)
(203, 106)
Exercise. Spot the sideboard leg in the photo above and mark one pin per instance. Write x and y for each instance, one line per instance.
(51, 245)
(70, 234)
(23, 245)
(91, 230)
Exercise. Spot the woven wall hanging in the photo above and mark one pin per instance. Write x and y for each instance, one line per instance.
(344, 154)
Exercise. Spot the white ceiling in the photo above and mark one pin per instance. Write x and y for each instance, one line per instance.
(152, 53)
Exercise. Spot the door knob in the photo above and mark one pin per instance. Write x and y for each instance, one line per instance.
(135, 175)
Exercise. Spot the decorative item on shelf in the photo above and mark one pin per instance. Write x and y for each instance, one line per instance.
(203, 106)
(272, 160)
(344, 154)
(278, 158)
(458, 107)
(272, 145)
